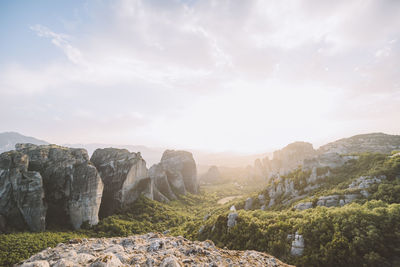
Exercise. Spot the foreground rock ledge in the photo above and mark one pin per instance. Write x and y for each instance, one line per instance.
(152, 249)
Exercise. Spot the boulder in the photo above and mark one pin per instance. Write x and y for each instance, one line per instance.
(175, 174)
(232, 219)
(21, 194)
(71, 183)
(248, 204)
(125, 177)
(297, 248)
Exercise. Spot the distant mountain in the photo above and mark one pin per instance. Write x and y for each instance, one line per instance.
(372, 142)
(9, 139)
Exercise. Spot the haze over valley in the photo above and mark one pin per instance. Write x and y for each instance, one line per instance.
(199, 133)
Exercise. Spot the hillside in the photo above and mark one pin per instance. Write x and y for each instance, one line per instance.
(333, 210)
(373, 142)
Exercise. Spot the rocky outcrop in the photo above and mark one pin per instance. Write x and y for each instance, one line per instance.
(175, 174)
(303, 206)
(213, 175)
(331, 160)
(21, 194)
(291, 157)
(151, 249)
(364, 182)
(248, 203)
(328, 201)
(125, 178)
(297, 247)
(71, 185)
(232, 219)
(374, 142)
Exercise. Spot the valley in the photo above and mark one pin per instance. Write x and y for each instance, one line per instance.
(303, 207)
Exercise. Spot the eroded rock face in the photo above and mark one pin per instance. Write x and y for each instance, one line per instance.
(125, 178)
(175, 174)
(72, 185)
(21, 194)
(147, 250)
(292, 156)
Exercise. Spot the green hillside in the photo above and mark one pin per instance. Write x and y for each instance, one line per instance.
(365, 232)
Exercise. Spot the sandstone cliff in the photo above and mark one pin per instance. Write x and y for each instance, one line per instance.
(175, 174)
(124, 175)
(59, 178)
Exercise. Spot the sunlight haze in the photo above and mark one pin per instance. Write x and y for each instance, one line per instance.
(244, 76)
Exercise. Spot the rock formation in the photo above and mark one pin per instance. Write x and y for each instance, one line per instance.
(213, 175)
(151, 249)
(248, 204)
(175, 174)
(374, 142)
(21, 193)
(125, 178)
(297, 248)
(71, 185)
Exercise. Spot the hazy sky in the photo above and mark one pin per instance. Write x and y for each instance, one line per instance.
(244, 76)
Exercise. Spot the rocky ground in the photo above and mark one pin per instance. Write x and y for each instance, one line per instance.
(152, 249)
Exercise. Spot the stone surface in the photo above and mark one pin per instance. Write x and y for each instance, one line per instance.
(151, 249)
(248, 204)
(329, 159)
(303, 206)
(59, 178)
(125, 178)
(297, 248)
(364, 182)
(21, 194)
(232, 219)
(175, 174)
(328, 201)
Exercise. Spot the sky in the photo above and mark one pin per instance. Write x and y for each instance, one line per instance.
(243, 76)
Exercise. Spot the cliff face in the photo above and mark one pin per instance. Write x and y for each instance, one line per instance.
(49, 184)
(175, 174)
(21, 193)
(59, 178)
(125, 177)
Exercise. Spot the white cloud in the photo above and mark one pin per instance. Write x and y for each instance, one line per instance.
(246, 73)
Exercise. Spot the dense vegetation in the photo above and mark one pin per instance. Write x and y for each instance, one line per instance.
(364, 233)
